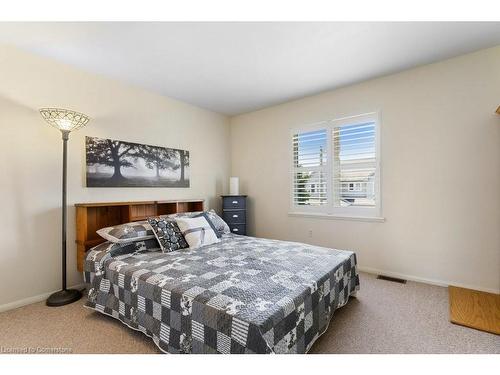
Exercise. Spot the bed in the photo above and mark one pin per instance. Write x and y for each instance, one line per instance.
(241, 295)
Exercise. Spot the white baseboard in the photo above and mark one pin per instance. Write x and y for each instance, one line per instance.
(425, 280)
(34, 299)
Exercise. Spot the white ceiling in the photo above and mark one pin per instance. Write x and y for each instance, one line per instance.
(232, 68)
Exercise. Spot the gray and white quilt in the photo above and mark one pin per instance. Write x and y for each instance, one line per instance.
(241, 295)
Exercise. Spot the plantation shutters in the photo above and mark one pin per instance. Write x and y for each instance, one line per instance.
(354, 164)
(335, 168)
(310, 168)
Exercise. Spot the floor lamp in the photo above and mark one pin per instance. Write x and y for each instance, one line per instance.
(66, 121)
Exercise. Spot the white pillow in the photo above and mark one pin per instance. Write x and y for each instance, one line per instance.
(197, 231)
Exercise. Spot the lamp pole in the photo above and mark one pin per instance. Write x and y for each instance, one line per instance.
(66, 121)
(65, 137)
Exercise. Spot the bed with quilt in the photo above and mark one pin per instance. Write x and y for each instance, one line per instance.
(238, 295)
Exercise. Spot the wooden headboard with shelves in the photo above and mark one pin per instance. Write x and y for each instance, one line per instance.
(91, 217)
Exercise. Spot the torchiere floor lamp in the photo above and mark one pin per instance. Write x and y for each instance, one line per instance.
(66, 121)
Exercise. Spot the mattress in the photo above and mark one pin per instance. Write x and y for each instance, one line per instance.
(241, 295)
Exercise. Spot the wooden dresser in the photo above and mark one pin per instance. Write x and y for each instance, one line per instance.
(93, 216)
(234, 213)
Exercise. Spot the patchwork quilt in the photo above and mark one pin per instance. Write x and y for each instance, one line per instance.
(241, 295)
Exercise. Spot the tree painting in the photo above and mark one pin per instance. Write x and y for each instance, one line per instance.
(112, 163)
(183, 162)
(111, 153)
(158, 158)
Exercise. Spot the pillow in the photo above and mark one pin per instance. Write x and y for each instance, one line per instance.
(210, 222)
(220, 225)
(129, 232)
(168, 234)
(96, 256)
(197, 231)
(217, 221)
(115, 249)
(181, 215)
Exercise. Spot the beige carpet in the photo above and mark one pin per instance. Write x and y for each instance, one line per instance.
(385, 317)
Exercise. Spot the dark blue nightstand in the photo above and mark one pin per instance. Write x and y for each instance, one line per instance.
(234, 213)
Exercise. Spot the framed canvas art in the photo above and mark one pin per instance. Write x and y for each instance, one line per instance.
(112, 163)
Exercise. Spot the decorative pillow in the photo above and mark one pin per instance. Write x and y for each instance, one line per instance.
(219, 223)
(197, 231)
(209, 220)
(129, 232)
(168, 234)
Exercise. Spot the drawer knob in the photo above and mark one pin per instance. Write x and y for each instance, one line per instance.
(235, 202)
(235, 215)
(235, 229)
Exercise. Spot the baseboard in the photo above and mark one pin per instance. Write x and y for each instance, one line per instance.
(34, 299)
(425, 280)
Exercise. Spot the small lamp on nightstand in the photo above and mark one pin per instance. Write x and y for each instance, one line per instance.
(234, 186)
(66, 121)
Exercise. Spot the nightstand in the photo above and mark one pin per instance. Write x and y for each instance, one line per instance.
(234, 213)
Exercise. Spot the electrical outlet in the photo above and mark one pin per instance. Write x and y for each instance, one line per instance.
(310, 233)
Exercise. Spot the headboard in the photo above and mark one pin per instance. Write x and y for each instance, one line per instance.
(93, 216)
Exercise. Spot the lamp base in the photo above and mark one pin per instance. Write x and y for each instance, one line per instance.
(64, 297)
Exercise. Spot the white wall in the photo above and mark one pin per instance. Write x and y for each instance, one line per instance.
(440, 176)
(31, 154)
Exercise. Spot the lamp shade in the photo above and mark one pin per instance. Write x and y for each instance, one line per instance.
(234, 186)
(64, 119)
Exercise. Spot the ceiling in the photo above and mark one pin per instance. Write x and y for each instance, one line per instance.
(233, 68)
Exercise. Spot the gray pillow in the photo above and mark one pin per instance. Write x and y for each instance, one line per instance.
(181, 214)
(220, 225)
(126, 233)
(216, 220)
(116, 249)
(97, 255)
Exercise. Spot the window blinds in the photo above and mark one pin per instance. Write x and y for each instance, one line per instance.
(354, 165)
(310, 162)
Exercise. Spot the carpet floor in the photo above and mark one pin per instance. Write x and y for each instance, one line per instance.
(385, 317)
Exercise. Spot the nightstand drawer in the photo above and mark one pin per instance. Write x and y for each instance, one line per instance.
(234, 203)
(238, 228)
(234, 216)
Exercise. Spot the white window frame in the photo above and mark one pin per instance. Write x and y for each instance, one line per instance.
(328, 210)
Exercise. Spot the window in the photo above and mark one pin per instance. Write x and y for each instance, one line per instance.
(309, 168)
(336, 168)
